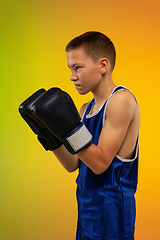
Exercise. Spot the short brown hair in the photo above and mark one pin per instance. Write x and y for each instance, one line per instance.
(95, 45)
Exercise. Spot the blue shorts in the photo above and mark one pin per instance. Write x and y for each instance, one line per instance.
(81, 236)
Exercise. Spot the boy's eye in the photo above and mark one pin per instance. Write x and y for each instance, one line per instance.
(77, 67)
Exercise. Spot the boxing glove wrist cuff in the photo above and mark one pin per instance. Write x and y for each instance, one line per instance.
(48, 140)
(78, 139)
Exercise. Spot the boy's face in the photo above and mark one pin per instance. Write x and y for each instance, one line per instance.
(85, 73)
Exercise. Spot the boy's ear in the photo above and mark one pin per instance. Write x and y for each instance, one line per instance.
(104, 65)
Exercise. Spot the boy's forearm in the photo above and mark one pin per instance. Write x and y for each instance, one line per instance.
(94, 157)
(69, 162)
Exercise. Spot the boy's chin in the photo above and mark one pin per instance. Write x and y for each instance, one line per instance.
(81, 92)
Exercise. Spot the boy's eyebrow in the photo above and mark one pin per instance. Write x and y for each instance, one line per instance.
(73, 65)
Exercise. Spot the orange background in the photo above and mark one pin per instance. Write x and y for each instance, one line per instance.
(37, 200)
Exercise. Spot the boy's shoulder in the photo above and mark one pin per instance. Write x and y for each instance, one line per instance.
(123, 97)
(122, 103)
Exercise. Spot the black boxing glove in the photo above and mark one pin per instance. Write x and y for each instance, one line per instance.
(45, 137)
(57, 111)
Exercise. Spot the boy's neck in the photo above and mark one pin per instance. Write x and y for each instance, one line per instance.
(103, 91)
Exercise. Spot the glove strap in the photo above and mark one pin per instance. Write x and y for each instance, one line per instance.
(78, 139)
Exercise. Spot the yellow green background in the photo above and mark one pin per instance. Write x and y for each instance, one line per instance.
(37, 196)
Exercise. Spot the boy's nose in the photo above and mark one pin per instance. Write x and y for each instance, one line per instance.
(73, 76)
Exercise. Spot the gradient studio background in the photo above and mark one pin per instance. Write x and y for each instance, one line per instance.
(37, 196)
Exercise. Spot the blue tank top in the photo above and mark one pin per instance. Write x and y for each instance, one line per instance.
(106, 203)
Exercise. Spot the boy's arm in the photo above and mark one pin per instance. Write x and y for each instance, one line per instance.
(57, 111)
(120, 112)
(69, 162)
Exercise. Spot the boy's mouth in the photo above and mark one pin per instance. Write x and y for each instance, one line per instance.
(77, 85)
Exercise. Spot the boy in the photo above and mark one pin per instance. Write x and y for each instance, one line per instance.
(108, 173)
(108, 167)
